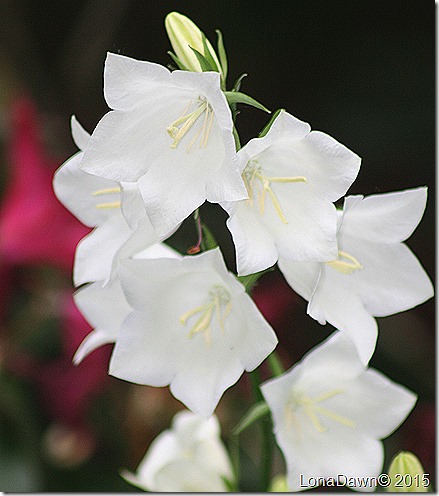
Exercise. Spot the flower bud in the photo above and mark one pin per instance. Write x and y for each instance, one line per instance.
(406, 474)
(184, 34)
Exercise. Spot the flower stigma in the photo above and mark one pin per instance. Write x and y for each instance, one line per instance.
(311, 408)
(181, 126)
(219, 297)
(107, 205)
(252, 172)
(345, 263)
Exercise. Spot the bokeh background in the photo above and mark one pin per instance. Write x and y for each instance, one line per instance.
(362, 71)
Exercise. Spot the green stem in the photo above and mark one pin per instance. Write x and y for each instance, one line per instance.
(267, 436)
(275, 364)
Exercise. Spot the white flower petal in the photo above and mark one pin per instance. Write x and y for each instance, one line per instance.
(377, 404)
(335, 298)
(142, 353)
(104, 308)
(127, 80)
(124, 144)
(255, 247)
(95, 339)
(392, 281)
(301, 276)
(132, 206)
(334, 360)
(201, 386)
(168, 203)
(384, 218)
(79, 134)
(77, 189)
(310, 235)
(96, 252)
(355, 457)
(331, 167)
(257, 345)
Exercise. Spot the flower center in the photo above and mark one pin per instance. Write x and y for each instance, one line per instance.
(252, 173)
(181, 126)
(218, 305)
(345, 263)
(107, 205)
(311, 408)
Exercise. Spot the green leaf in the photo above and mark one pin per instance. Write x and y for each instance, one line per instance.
(256, 412)
(222, 55)
(209, 242)
(204, 63)
(237, 85)
(270, 123)
(179, 63)
(238, 97)
(208, 55)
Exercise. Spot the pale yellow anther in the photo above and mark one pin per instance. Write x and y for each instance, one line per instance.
(108, 205)
(252, 172)
(312, 409)
(181, 126)
(345, 263)
(106, 191)
(218, 305)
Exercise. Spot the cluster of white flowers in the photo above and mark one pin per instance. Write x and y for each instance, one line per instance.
(169, 144)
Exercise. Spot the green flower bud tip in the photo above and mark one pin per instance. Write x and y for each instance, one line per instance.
(407, 475)
(184, 34)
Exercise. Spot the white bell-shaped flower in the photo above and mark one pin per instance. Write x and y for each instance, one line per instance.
(171, 132)
(292, 175)
(115, 210)
(375, 273)
(330, 413)
(193, 327)
(189, 457)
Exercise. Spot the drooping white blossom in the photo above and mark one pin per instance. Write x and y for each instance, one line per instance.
(105, 307)
(189, 457)
(171, 132)
(114, 209)
(292, 175)
(375, 273)
(330, 413)
(193, 327)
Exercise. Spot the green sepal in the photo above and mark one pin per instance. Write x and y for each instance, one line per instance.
(237, 85)
(270, 123)
(204, 62)
(208, 55)
(256, 412)
(237, 139)
(251, 279)
(222, 57)
(208, 242)
(179, 63)
(238, 97)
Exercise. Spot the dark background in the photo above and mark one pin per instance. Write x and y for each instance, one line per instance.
(361, 71)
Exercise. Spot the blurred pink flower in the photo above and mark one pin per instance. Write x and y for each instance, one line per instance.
(34, 227)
